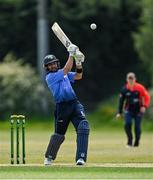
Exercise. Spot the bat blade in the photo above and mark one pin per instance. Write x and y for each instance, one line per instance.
(65, 40)
(61, 35)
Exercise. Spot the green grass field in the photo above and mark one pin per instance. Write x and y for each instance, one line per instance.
(108, 156)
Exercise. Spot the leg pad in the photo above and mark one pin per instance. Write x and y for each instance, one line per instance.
(55, 142)
(82, 140)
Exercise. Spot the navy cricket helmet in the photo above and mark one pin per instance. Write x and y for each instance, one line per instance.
(50, 59)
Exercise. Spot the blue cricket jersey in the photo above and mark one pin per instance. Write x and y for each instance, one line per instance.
(60, 86)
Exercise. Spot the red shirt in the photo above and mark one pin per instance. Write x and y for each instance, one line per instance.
(144, 96)
(134, 98)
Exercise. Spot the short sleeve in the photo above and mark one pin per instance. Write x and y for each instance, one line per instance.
(145, 94)
(71, 76)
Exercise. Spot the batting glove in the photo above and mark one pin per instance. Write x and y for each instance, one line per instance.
(72, 49)
(79, 58)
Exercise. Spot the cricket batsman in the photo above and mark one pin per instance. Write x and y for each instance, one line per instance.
(68, 108)
(137, 100)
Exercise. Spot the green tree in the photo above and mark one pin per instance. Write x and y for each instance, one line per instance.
(109, 50)
(18, 29)
(21, 90)
(144, 39)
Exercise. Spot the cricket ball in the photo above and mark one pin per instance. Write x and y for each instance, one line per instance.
(93, 26)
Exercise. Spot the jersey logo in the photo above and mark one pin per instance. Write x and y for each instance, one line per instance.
(135, 100)
(128, 94)
(60, 120)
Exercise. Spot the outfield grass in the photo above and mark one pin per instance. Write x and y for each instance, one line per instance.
(108, 156)
(75, 173)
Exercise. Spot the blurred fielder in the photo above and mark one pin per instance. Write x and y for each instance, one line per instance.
(68, 108)
(136, 100)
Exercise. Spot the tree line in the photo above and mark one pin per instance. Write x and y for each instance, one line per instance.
(110, 50)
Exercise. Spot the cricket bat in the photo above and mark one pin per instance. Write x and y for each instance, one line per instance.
(61, 35)
(65, 40)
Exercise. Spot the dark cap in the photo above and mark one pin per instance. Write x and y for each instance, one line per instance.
(50, 59)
